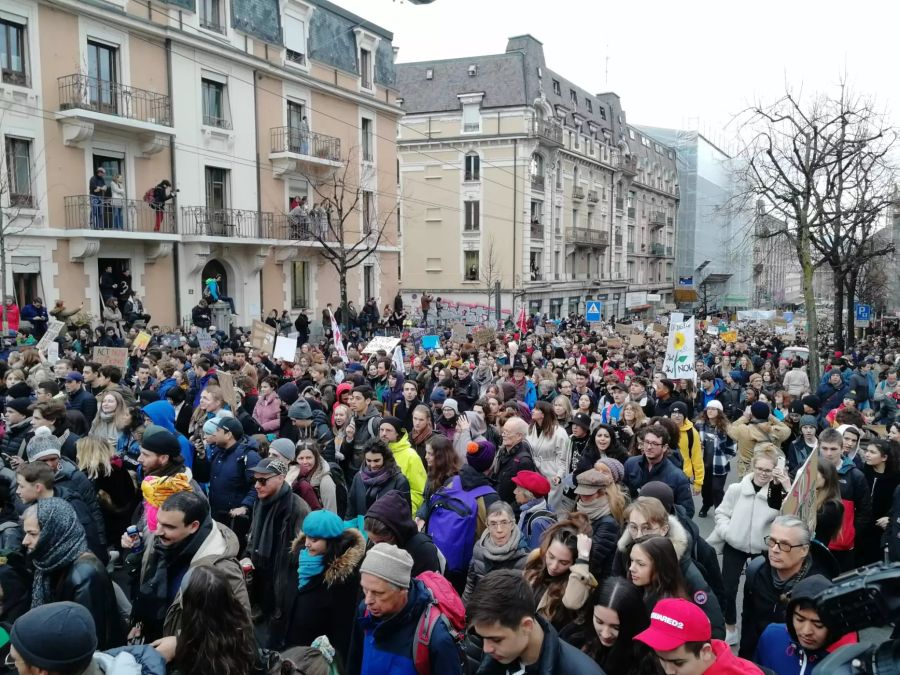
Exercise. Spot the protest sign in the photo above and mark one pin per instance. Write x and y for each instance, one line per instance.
(729, 336)
(801, 499)
(262, 337)
(712, 330)
(141, 340)
(458, 332)
(53, 353)
(614, 343)
(285, 348)
(204, 340)
(540, 330)
(381, 342)
(111, 356)
(550, 327)
(659, 328)
(679, 360)
(484, 336)
(623, 328)
(637, 340)
(53, 329)
(430, 341)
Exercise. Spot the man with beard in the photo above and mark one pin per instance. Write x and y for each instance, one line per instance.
(277, 520)
(186, 537)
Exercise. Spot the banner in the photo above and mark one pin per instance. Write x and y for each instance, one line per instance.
(801, 499)
(379, 343)
(728, 336)
(262, 337)
(336, 336)
(204, 340)
(679, 361)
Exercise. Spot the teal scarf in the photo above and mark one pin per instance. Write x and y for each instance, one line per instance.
(310, 566)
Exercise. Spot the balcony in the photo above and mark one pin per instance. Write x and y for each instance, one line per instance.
(668, 250)
(84, 212)
(593, 196)
(305, 228)
(85, 102)
(620, 204)
(537, 230)
(627, 165)
(296, 152)
(537, 183)
(657, 219)
(578, 192)
(657, 250)
(547, 132)
(230, 223)
(584, 236)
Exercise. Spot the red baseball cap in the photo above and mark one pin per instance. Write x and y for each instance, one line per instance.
(533, 482)
(672, 623)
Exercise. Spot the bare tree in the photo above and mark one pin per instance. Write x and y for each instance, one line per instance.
(490, 272)
(798, 159)
(346, 224)
(873, 285)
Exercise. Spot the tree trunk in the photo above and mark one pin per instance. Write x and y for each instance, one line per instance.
(851, 281)
(812, 322)
(342, 272)
(5, 320)
(839, 343)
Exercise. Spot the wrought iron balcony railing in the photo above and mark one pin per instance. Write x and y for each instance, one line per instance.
(84, 212)
(80, 92)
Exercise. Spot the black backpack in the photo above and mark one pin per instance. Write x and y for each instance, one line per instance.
(340, 488)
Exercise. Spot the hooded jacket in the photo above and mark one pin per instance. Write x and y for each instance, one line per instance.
(855, 494)
(744, 517)
(779, 648)
(691, 448)
(704, 397)
(747, 435)
(393, 511)
(476, 431)
(366, 426)
(360, 497)
(411, 466)
(228, 473)
(162, 413)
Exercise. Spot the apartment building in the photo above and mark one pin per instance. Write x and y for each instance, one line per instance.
(512, 174)
(242, 105)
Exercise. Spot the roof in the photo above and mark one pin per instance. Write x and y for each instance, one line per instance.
(358, 20)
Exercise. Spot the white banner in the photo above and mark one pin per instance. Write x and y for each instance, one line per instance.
(679, 361)
(336, 336)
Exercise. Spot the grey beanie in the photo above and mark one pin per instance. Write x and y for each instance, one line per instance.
(808, 421)
(300, 410)
(43, 445)
(284, 447)
(390, 563)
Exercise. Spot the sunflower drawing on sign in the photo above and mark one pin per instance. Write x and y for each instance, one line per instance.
(679, 341)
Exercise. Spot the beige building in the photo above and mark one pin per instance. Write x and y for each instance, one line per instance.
(242, 105)
(512, 174)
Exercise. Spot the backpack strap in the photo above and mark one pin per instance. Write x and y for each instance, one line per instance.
(422, 640)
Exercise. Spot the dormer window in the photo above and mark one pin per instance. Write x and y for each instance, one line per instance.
(367, 45)
(473, 70)
(573, 96)
(429, 73)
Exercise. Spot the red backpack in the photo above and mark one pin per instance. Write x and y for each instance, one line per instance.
(148, 195)
(445, 606)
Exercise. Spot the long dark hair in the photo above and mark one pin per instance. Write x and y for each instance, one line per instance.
(622, 597)
(445, 464)
(217, 633)
(615, 449)
(548, 426)
(667, 580)
(890, 450)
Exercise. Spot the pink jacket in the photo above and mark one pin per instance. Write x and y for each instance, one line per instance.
(267, 412)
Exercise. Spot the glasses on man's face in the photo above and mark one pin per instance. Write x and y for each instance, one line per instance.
(499, 524)
(262, 481)
(642, 530)
(9, 661)
(783, 546)
(653, 444)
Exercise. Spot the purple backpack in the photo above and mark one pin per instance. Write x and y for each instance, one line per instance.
(452, 518)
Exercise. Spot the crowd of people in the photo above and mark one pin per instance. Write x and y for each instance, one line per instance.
(532, 504)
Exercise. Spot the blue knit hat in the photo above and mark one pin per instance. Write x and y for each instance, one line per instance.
(323, 524)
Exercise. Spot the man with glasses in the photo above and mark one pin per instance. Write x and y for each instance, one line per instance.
(790, 556)
(277, 520)
(654, 465)
(513, 456)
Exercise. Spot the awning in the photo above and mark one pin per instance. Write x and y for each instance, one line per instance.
(715, 278)
(685, 295)
(637, 308)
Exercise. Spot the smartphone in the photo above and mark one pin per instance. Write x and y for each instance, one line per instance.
(780, 465)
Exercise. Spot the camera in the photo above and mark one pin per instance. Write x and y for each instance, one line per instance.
(864, 598)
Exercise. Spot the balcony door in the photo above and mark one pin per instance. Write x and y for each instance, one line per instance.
(114, 166)
(296, 112)
(103, 77)
(217, 219)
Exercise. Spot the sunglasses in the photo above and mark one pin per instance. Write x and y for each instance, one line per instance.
(262, 481)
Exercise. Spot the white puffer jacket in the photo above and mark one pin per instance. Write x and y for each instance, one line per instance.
(743, 518)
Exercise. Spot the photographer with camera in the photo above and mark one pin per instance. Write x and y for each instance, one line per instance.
(160, 195)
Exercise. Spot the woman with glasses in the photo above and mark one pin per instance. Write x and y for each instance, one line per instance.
(743, 519)
(500, 547)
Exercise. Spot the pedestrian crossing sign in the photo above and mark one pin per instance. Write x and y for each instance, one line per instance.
(593, 311)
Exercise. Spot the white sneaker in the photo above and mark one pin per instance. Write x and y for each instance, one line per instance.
(732, 637)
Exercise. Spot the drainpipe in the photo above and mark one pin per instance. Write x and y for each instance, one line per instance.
(175, 249)
(256, 78)
(515, 220)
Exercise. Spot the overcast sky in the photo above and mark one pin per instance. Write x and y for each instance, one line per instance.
(689, 64)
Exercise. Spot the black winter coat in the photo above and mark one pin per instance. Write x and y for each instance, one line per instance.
(84, 402)
(606, 533)
(70, 478)
(510, 462)
(13, 443)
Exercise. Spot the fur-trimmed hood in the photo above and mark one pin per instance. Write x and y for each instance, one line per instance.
(345, 564)
(677, 534)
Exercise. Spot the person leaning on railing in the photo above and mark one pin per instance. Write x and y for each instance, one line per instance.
(161, 194)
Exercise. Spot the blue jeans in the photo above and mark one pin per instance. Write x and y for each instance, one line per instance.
(117, 217)
(96, 212)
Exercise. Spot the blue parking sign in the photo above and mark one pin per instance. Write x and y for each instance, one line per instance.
(863, 312)
(593, 311)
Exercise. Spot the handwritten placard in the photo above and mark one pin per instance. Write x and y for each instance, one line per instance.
(53, 330)
(111, 356)
(484, 336)
(142, 340)
(262, 337)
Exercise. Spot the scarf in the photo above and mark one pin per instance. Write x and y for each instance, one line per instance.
(269, 512)
(60, 544)
(309, 567)
(595, 509)
(376, 478)
(785, 586)
(419, 439)
(502, 553)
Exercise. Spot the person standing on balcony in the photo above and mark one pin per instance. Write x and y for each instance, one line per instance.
(299, 219)
(97, 190)
(304, 137)
(161, 194)
(117, 190)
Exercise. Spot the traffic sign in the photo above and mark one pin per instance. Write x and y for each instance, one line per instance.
(863, 312)
(593, 312)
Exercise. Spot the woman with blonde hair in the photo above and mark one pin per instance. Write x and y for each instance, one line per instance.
(112, 418)
(212, 401)
(115, 488)
(562, 406)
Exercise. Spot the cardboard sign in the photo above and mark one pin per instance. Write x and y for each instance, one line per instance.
(430, 341)
(379, 343)
(458, 332)
(484, 336)
(53, 353)
(111, 356)
(141, 340)
(285, 348)
(728, 336)
(262, 337)
(801, 499)
(614, 343)
(637, 340)
(659, 328)
(623, 329)
(550, 327)
(54, 328)
(204, 340)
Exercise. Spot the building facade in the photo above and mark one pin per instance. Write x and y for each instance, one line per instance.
(513, 176)
(242, 105)
(777, 277)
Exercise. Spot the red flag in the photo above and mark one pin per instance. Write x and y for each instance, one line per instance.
(522, 322)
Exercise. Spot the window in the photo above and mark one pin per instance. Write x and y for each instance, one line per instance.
(556, 89)
(631, 134)
(216, 188)
(537, 165)
(471, 118)
(429, 73)
(295, 39)
(470, 265)
(211, 15)
(602, 112)
(473, 167)
(299, 284)
(18, 168)
(589, 104)
(367, 153)
(473, 216)
(214, 109)
(573, 97)
(102, 74)
(368, 281)
(365, 68)
(12, 53)
(368, 204)
(473, 70)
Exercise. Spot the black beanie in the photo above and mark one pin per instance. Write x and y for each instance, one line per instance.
(20, 405)
(58, 637)
(19, 390)
(396, 423)
(161, 442)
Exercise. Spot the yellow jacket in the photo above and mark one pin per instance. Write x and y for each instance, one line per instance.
(691, 454)
(411, 466)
